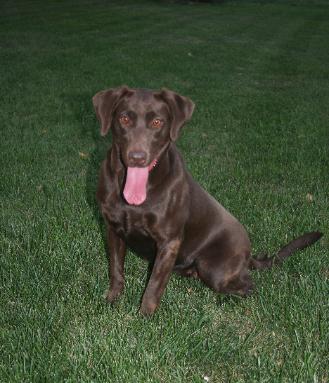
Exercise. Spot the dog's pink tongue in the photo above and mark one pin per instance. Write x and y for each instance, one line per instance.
(135, 187)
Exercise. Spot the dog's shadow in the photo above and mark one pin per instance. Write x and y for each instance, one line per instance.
(83, 114)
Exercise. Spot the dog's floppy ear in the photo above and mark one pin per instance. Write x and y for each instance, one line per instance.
(181, 110)
(104, 103)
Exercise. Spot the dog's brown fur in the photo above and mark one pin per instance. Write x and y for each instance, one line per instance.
(180, 226)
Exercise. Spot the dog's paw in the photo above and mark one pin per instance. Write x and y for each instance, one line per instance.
(147, 308)
(112, 295)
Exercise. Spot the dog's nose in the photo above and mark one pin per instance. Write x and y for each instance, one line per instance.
(137, 158)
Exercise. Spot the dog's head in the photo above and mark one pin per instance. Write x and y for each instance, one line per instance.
(143, 123)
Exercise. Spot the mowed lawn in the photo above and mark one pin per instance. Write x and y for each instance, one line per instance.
(258, 142)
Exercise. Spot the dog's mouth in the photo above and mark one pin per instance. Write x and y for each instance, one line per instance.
(134, 191)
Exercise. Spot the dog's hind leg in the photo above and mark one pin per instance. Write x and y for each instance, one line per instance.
(226, 273)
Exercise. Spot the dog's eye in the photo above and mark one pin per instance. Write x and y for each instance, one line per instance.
(156, 123)
(124, 120)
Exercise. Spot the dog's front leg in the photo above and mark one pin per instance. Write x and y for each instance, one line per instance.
(163, 265)
(117, 252)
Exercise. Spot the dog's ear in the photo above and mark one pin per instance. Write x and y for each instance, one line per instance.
(181, 110)
(104, 103)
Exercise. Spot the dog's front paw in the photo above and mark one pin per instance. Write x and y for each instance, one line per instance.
(112, 295)
(147, 308)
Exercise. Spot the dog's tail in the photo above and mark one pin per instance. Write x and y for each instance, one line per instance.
(299, 243)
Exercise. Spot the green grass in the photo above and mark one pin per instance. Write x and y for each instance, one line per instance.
(258, 142)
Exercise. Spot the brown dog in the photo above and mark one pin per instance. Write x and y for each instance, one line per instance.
(152, 205)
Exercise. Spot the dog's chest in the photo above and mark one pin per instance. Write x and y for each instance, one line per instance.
(129, 221)
(134, 226)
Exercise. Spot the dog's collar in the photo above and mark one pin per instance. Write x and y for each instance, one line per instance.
(153, 164)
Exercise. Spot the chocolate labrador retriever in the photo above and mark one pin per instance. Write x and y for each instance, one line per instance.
(151, 203)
